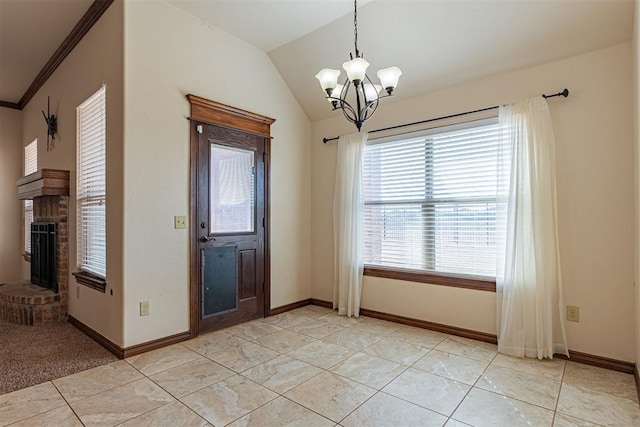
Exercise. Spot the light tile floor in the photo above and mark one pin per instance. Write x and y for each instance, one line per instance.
(311, 367)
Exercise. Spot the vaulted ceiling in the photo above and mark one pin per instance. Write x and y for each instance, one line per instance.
(436, 43)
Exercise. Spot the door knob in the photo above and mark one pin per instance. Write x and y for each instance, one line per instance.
(205, 239)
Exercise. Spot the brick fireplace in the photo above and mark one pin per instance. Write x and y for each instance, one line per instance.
(27, 303)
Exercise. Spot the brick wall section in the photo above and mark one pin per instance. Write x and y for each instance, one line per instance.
(19, 303)
(32, 314)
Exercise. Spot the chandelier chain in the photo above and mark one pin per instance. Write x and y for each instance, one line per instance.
(355, 26)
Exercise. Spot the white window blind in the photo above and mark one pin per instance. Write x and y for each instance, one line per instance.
(430, 200)
(91, 184)
(30, 166)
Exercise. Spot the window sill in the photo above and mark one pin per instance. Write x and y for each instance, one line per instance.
(26, 256)
(457, 281)
(91, 280)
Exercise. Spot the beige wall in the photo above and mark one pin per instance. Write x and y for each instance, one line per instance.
(96, 59)
(11, 168)
(169, 54)
(595, 199)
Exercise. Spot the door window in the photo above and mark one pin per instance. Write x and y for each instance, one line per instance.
(232, 190)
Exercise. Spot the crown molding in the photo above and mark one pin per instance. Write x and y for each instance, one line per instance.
(91, 16)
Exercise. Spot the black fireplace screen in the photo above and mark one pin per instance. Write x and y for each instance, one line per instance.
(43, 255)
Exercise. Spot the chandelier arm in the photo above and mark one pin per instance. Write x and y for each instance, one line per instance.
(348, 111)
(342, 104)
(345, 88)
(369, 111)
(364, 113)
(349, 117)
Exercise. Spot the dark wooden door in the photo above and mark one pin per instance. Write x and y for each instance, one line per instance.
(230, 221)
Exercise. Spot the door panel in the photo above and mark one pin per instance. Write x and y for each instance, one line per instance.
(218, 280)
(248, 285)
(231, 203)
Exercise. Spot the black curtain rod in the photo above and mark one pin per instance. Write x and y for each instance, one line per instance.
(564, 93)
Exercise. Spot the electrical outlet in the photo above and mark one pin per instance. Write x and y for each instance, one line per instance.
(179, 222)
(77, 291)
(144, 308)
(573, 313)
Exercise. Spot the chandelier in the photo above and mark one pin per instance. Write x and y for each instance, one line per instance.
(365, 95)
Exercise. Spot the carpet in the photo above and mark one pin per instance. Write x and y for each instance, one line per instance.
(31, 355)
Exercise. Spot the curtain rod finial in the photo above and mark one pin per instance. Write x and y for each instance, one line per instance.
(564, 93)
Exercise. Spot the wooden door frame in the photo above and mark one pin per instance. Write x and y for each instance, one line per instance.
(217, 114)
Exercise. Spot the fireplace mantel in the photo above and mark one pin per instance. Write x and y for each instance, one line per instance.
(45, 182)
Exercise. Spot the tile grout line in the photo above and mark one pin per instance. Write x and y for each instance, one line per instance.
(358, 407)
(166, 369)
(282, 394)
(359, 382)
(65, 401)
(157, 385)
(254, 409)
(49, 410)
(309, 409)
(564, 371)
(555, 411)
(96, 394)
(178, 399)
(472, 386)
(413, 403)
(121, 385)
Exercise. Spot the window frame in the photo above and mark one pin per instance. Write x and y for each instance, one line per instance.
(431, 277)
(30, 166)
(466, 281)
(85, 276)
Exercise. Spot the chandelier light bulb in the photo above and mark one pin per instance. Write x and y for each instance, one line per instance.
(389, 78)
(371, 91)
(328, 79)
(356, 69)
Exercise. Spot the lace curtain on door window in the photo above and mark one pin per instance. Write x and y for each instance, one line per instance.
(232, 190)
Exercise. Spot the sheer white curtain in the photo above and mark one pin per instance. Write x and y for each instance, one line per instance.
(529, 288)
(348, 207)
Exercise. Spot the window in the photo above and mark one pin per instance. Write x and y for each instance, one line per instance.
(430, 201)
(91, 186)
(30, 166)
(232, 191)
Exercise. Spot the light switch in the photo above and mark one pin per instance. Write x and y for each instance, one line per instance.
(179, 222)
